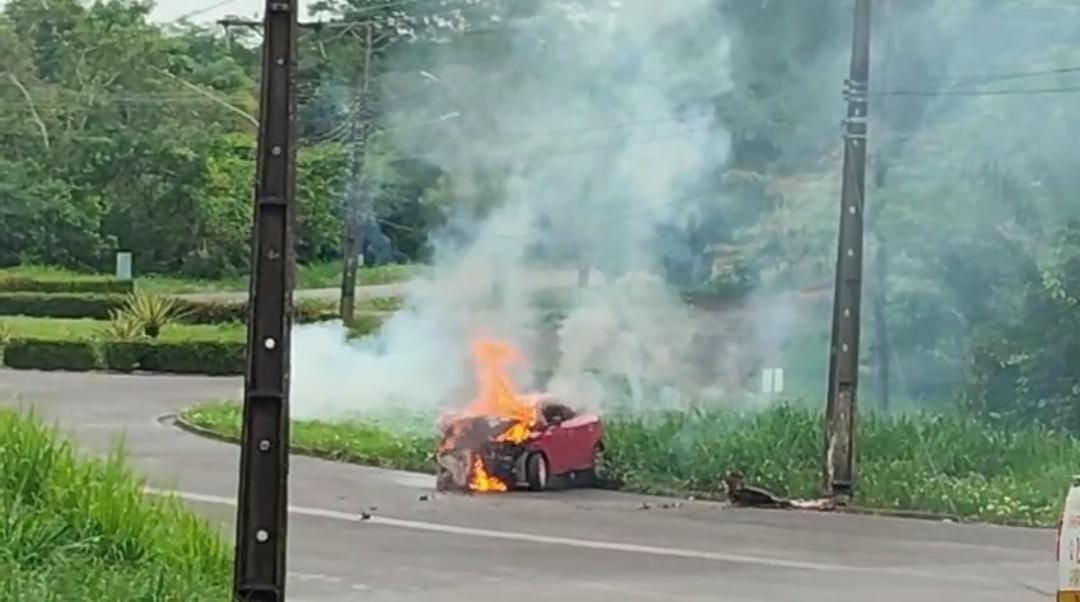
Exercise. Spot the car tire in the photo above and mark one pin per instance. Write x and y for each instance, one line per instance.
(600, 473)
(536, 472)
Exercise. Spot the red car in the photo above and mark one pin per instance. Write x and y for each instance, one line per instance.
(565, 447)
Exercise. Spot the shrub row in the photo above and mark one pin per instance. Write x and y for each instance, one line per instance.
(64, 305)
(216, 312)
(188, 357)
(98, 306)
(23, 284)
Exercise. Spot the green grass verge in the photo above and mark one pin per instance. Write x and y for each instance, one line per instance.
(80, 528)
(388, 442)
(59, 329)
(942, 464)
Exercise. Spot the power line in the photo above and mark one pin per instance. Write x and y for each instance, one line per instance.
(397, 3)
(1030, 92)
(985, 79)
(200, 11)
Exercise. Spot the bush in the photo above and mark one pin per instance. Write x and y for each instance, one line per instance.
(215, 312)
(363, 325)
(101, 307)
(52, 355)
(23, 284)
(219, 358)
(196, 357)
(122, 356)
(151, 312)
(45, 305)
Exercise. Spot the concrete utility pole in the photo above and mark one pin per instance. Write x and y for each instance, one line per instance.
(883, 344)
(847, 299)
(262, 507)
(357, 200)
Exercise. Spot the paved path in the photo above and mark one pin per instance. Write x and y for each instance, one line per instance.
(370, 291)
(539, 279)
(587, 546)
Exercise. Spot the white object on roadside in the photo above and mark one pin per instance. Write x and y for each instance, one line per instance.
(1068, 551)
(123, 265)
(772, 380)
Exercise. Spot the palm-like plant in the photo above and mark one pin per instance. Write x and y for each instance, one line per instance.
(153, 312)
(123, 327)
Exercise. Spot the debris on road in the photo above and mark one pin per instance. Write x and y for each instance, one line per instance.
(743, 495)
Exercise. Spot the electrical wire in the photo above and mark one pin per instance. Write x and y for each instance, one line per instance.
(992, 78)
(203, 10)
(1029, 92)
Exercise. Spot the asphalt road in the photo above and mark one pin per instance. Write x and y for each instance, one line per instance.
(587, 546)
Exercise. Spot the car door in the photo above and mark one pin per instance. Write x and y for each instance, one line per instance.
(579, 438)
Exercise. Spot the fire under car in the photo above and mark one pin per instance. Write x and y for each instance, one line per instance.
(558, 447)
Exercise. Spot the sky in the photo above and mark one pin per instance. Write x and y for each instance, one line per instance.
(209, 10)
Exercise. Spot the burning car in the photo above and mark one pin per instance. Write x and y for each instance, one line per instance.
(504, 440)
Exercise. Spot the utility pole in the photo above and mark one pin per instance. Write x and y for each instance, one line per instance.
(883, 344)
(357, 201)
(847, 298)
(262, 507)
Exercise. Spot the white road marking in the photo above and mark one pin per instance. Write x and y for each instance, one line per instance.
(517, 536)
(601, 545)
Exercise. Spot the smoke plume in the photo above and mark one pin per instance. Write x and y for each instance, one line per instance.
(599, 126)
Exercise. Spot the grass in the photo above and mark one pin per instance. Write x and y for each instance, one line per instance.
(51, 274)
(321, 275)
(390, 442)
(60, 329)
(946, 464)
(80, 528)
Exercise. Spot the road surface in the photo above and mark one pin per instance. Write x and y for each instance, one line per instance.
(582, 546)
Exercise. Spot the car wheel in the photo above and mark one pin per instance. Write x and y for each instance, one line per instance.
(536, 472)
(599, 467)
(600, 473)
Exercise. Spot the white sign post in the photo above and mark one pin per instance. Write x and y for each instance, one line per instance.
(123, 266)
(772, 380)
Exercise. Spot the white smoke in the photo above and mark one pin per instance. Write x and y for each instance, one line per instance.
(599, 123)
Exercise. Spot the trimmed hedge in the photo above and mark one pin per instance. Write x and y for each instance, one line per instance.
(216, 312)
(192, 357)
(219, 358)
(44, 305)
(23, 284)
(52, 355)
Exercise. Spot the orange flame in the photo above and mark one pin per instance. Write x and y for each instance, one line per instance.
(496, 397)
(481, 481)
(496, 405)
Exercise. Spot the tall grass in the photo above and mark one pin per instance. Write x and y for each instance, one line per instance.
(80, 528)
(942, 463)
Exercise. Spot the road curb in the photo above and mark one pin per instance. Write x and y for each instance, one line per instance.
(180, 422)
(185, 425)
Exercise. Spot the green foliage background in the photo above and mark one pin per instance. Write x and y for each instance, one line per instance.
(119, 133)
